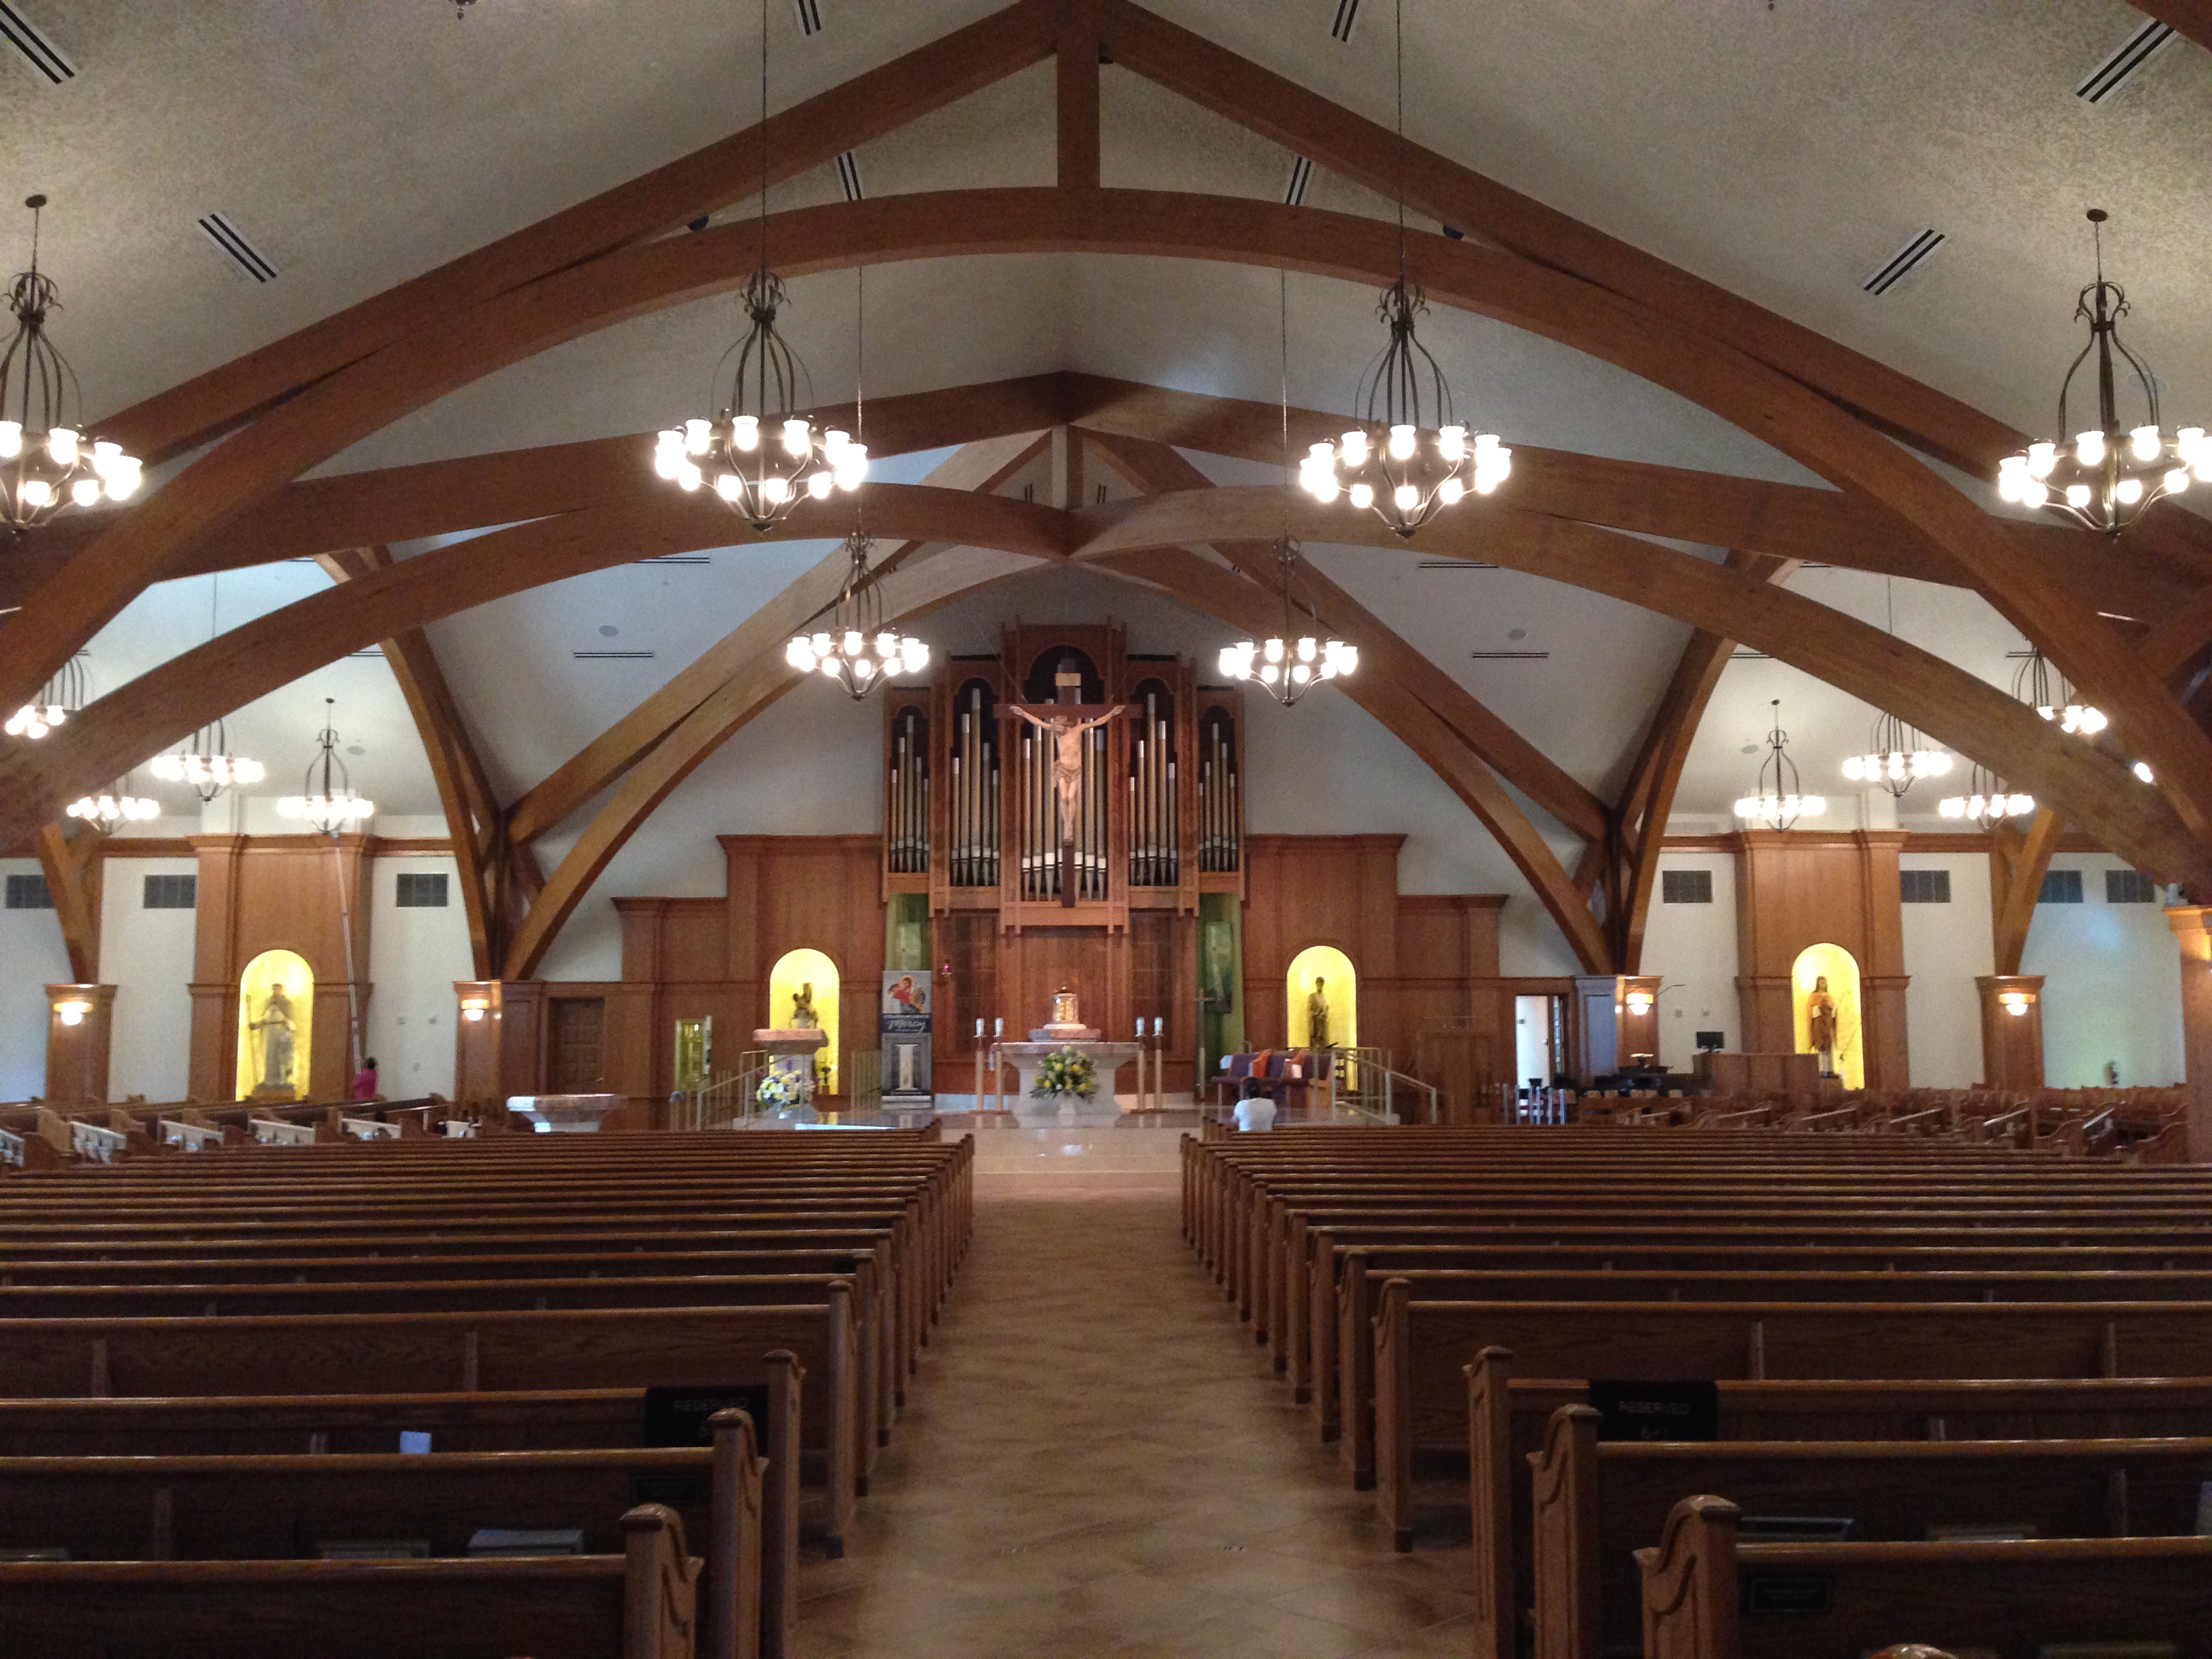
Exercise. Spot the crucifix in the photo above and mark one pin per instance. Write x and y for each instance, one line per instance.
(1066, 734)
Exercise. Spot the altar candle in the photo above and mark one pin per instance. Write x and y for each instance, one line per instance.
(999, 1027)
(979, 1025)
(1159, 1025)
(1141, 1027)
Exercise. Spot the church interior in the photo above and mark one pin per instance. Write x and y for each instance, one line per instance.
(1106, 827)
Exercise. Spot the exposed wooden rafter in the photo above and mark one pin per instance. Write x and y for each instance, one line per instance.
(2018, 862)
(72, 868)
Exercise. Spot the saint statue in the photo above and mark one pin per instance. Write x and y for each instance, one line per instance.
(1317, 1015)
(1066, 734)
(1820, 1022)
(803, 1017)
(275, 1028)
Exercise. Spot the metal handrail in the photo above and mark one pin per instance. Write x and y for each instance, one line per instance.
(1370, 1080)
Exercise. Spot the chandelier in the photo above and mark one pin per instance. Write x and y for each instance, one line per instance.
(207, 765)
(1290, 664)
(61, 696)
(855, 648)
(1987, 800)
(113, 807)
(2033, 685)
(759, 455)
(47, 460)
(1895, 759)
(1778, 803)
(326, 803)
(1388, 464)
(2106, 475)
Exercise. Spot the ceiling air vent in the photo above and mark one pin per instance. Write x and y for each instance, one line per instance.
(43, 57)
(612, 656)
(1347, 16)
(1509, 656)
(2122, 67)
(1301, 176)
(235, 248)
(1454, 564)
(1750, 656)
(1902, 263)
(678, 558)
(809, 17)
(848, 175)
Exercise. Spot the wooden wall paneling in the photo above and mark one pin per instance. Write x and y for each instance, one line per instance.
(2012, 1044)
(77, 1051)
(477, 1076)
(819, 892)
(2192, 932)
(967, 942)
(1883, 979)
(522, 1036)
(1340, 891)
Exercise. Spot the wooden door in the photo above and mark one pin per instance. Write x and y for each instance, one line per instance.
(576, 1046)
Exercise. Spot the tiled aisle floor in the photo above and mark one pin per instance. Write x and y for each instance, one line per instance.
(1093, 1459)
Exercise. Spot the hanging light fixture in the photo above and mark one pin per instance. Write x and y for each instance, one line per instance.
(1778, 803)
(853, 646)
(47, 460)
(206, 764)
(2106, 475)
(1390, 463)
(1289, 664)
(759, 454)
(326, 803)
(61, 696)
(1987, 800)
(1895, 759)
(114, 806)
(2052, 696)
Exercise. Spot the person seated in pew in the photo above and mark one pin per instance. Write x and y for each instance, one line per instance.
(1256, 1111)
(364, 1080)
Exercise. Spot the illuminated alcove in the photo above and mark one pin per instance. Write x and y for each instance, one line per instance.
(1841, 969)
(276, 1007)
(1340, 989)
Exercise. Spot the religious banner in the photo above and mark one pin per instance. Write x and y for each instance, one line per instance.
(904, 1018)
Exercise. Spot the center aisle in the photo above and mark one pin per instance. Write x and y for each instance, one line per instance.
(1093, 1460)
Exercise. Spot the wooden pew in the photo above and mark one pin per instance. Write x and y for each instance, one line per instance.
(414, 1353)
(1508, 1417)
(1596, 1504)
(640, 1604)
(1422, 1349)
(1707, 1596)
(230, 1508)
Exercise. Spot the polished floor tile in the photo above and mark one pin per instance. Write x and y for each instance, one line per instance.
(1096, 1460)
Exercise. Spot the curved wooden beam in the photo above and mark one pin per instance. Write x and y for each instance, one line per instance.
(73, 869)
(728, 171)
(2019, 863)
(450, 351)
(706, 729)
(1973, 717)
(1158, 469)
(273, 650)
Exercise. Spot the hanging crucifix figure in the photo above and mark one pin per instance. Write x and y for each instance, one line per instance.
(1066, 734)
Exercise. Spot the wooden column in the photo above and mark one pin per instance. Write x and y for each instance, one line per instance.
(2011, 1041)
(79, 1020)
(1638, 1033)
(2192, 928)
(1883, 1037)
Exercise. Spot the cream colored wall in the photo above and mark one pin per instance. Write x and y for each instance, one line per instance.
(1692, 950)
(1948, 946)
(146, 956)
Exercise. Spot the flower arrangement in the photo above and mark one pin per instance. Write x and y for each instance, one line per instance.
(778, 1092)
(1067, 1072)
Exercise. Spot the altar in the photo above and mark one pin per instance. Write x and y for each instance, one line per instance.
(1064, 1033)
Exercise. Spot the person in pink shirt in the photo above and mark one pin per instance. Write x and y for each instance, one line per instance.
(364, 1080)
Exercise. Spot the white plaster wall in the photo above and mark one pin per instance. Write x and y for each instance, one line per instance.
(1692, 949)
(413, 957)
(1947, 947)
(2111, 985)
(146, 956)
(32, 958)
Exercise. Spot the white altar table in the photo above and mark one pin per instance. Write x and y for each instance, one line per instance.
(1025, 1057)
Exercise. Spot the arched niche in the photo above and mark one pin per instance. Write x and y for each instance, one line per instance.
(1339, 987)
(276, 1027)
(1836, 965)
(799, 977)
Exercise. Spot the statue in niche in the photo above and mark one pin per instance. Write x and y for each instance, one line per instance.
(803, 1017)
(1820, 1022)
(275, 1028)
(1317, 1015)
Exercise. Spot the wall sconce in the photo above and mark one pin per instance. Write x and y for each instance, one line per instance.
(1638, 1002)
(472, 1008)
(2015, 1002)
(73, 1010)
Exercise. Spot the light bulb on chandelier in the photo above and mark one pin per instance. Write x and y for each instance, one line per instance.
(1895, 759)
(2048, 693)
(112, 808)
(1987, 800)
(851, 646)
(47, 461)
(1778, 802)
(2106, 477)
(60, 697)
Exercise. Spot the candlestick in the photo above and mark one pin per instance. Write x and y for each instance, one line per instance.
(999, 1027)
(1141, 1027)
(979, 1025)
(1159, 1025)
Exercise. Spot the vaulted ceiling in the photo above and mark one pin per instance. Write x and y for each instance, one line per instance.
(1782, 154)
